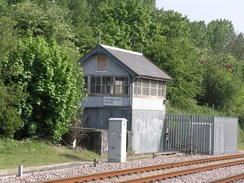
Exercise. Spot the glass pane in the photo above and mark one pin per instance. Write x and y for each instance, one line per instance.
(93, 89)
(153, 92)
(98, 89)
(154, 84)
(106, 89)
(126, 90)
(135, 88)
(139, 91)
(145, 83)
(86, 81)
(126, 81)
(117, 89)
(98, 80)
(145, 91)
(93, 80)
(160, 92)
(160, 85)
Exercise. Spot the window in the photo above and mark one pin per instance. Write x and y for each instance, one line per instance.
(154, 88)
(139, 87)
(107, 83)
(101, 64)
(86, 82)
(121, 86)
(161, 87)
(96, 84)
(146, 87)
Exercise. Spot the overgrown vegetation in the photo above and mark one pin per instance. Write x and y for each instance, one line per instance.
(41, 41)
(241, 139)
(34, 153)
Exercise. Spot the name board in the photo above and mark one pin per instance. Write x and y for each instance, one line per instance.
(114, 101)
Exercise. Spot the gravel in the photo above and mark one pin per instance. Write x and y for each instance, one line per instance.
(105, 167)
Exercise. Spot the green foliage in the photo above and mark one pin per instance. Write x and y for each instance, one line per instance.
(236, 46)
(240, 139)
(41, 82)
(199, 36)
(54, 84)
(10, 122)
(48, 22)
(219, 33)
(126, 24)
(173, 53)
(221, 86)
(8, 36)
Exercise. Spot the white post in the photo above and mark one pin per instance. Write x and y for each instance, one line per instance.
(20, 170)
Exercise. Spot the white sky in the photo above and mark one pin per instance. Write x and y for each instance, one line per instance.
(208, 10)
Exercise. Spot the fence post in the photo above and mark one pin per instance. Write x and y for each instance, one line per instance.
(20, 170)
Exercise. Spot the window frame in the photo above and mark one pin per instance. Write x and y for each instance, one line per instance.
(93, 84)
(105, 61)
(140, 87)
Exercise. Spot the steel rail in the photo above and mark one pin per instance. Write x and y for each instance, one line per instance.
(181, 172)
(229, 179)
(139, 169)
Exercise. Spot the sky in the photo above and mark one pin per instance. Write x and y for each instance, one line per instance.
(208, 10)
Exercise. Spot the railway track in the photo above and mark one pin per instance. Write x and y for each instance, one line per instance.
(230, 179)
(182, 172)
(155, 167)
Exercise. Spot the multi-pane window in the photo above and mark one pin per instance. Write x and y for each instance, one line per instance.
(146, 87)
(108, 85)
(161, 89)
(96, 84)
(121, 86)
(154, 88)
(101, 64)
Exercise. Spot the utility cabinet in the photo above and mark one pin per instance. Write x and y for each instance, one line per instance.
(117, 139)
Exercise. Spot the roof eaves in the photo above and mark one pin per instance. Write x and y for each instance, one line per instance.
(119, 62)
(157, 78)
(100, 49)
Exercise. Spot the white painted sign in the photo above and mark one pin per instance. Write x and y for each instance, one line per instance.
(114, 101)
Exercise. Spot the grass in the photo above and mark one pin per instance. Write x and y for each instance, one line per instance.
(241, 139)
(34, 153)
(194, 109)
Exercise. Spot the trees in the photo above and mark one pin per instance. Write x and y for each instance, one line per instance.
(172, 51)
(42, 40)
(219, 33)
(53, 83)
(10, 121)
(126, 24)
(221, 83)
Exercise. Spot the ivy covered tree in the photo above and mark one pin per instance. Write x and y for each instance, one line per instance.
(54, 84)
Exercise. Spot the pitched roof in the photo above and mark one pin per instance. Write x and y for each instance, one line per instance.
(131, 61)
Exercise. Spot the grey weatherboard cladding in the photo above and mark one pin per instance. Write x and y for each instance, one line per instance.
(136, 64)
